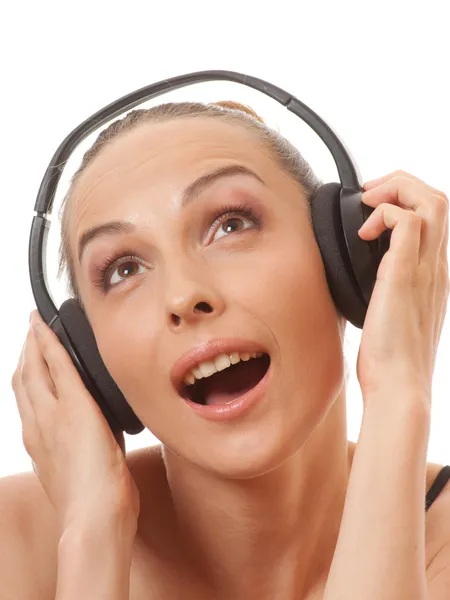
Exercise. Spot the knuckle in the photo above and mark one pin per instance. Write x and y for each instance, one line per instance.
(28, 441)
(440, 194)
(26, 375)
(58, 371)
(15, 380)
(415, 278)
(426, 278)
(58, 367)
(440, 204)
(414, 218)
(44, 344)
(406, 276)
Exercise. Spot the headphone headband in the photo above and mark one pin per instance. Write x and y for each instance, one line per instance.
(337, 213)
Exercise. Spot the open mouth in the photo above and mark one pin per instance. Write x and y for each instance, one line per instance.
(227, 385)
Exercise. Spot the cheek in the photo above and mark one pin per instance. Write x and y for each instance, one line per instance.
(290, 296)
(129, 348)
(288, 287)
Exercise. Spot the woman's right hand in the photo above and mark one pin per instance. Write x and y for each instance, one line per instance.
(76, 457)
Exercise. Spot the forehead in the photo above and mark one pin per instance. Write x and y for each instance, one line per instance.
(162, 158)
(174, 148)
(159, 147)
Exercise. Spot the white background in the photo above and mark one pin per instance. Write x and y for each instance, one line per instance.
(377, 72)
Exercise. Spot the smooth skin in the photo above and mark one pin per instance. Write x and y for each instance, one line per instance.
(264, 494)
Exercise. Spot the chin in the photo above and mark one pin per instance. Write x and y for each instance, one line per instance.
(251, 451)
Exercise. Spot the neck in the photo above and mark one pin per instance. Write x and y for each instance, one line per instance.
(272, 535)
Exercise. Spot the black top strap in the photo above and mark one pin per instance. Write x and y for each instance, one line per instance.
(438, 485)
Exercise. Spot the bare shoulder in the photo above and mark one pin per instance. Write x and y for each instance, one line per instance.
(28, 530)
(28, 539)
(29, 536)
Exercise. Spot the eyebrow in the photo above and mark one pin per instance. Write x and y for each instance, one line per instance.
(192, 191)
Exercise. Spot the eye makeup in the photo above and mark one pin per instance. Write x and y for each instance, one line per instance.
(102, 272)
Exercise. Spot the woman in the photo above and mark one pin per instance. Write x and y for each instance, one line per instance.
(272, 501)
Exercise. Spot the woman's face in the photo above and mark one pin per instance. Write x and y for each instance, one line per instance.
(261, 279)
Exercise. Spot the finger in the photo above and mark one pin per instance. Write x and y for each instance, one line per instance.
(24, 407)
(399, 173)
(405, 238)
(62, 371)
(35, 376)
(431, 208)
(21, 385)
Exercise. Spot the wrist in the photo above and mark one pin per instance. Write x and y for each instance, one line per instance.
(404, 399)
(98, 514)
(96, 528)
(94, 559)
(399, 411)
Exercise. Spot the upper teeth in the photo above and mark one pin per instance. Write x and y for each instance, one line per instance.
(221, 362)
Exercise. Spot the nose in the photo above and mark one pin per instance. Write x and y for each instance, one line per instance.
(191, 299)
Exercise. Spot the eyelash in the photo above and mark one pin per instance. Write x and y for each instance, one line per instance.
(243, 210)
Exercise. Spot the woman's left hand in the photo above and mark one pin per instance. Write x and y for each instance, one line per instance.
(406, 312)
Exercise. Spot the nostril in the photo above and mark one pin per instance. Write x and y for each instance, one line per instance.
(204, 307)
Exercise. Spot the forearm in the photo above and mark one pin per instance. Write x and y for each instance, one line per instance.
(94, 560)
(380, 553)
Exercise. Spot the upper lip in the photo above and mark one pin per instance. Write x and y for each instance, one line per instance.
(208, 351)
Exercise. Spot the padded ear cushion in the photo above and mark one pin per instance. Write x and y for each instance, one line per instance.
(83, 340)
(327, 225)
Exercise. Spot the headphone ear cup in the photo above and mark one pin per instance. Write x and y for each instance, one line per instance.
(328, 230)
(103, 388)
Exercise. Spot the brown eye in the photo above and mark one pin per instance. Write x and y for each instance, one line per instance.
(125, 270)
(232, 225)
(228, 219)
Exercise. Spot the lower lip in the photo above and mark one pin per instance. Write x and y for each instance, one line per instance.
(227, 412)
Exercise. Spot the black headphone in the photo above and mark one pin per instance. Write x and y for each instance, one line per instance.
(351, 263)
